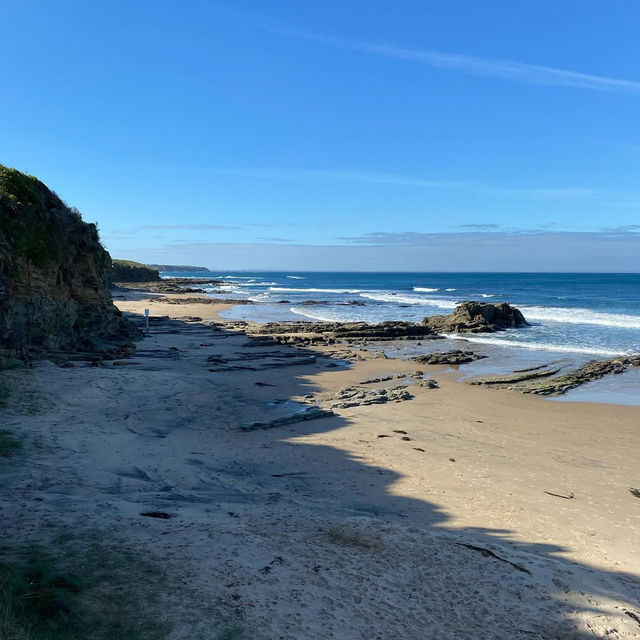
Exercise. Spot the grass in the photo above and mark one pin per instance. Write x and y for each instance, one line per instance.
(37, 602)
(82, 588)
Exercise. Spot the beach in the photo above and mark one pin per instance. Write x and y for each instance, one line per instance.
(459, 512)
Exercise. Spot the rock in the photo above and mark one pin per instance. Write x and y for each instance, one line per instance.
(54, 276)
(429, 384)
(547, 383)
(454, 357)
(478, 317)
(311, 413)
(173, 285)
(355, 397)
(309, 333)
(202, 300)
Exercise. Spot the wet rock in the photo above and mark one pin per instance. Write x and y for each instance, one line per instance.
(312, 413)
(547, 383)
(454, 357)
(478, 317)
(429, 384)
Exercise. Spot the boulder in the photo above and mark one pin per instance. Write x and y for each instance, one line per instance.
(477, 317)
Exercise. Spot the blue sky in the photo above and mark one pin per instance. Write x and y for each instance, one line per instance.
(335, 135)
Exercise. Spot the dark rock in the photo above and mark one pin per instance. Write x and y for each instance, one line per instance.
(308, 333)
(547, 383)
(454, 357)
(478, 317)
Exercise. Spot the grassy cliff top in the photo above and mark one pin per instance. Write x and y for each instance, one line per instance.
(132, 264)
(37, 225)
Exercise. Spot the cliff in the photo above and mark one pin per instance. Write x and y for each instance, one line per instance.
(130, 271)
(54, 276)
(180, 267)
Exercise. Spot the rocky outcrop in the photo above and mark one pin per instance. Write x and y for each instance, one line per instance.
(308, 333)
(54, 276)
(545, 382)
(454, 357)
(172, 285)
(477, 317)
(130, 271)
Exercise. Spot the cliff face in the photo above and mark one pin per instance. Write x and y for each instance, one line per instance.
(130, 271)
(54, 276)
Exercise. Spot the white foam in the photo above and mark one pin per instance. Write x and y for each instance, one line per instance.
(581, 316)
(409, 299)
(449, 289)
(483, 295)
(317, 315)
(541, 346)
(296, 277)
(425, 289)
(311, 290)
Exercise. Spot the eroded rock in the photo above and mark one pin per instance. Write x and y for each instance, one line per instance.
(478, 317)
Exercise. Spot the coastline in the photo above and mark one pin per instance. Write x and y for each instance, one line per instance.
(287, 527)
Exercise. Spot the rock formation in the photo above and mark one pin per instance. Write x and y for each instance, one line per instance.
(545, 382)
(130, 271)
(477, 317)
(54, 275)
(454, 357)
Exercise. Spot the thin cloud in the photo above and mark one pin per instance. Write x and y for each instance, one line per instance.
(416, 239)
(511, 70)
(190, 227)
(320, 175)
(480, 227)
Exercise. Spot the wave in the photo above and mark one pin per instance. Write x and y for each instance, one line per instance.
(311, 290)
(540, 346)
(410, 299)
(425, 289)
(317, 315)
(483, 295)
(449, 289)
(296, 277)
(567, 315)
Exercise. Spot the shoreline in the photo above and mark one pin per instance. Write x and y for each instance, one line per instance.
(290, 528)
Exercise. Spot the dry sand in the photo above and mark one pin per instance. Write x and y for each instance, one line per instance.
(323, 529)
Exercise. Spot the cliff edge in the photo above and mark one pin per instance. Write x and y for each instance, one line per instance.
(54, 277)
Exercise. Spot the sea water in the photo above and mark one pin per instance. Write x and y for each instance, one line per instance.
(574, 317)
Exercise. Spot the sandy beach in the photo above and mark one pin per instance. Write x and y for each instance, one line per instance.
(461, 512)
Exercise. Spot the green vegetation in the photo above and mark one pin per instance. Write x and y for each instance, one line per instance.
(131, 271)
(131, 263)
(36, 601)
(95, 591)
(37, 225)
(8, 444)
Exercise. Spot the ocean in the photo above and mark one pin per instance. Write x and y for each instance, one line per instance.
(574, 317)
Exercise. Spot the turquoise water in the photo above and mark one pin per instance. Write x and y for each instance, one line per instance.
(573, 317)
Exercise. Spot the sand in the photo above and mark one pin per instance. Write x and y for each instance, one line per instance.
(483, 514)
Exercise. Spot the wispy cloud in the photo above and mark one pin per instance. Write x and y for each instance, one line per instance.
(480, 236)
(320, 175)
(479, 227)
(190, 227)
(511, 70)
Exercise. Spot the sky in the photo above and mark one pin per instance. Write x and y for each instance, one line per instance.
(450, 135)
